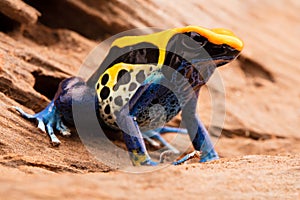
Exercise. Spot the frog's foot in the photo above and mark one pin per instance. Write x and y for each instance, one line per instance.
(194, 154)
(212, 155)
(48, 120)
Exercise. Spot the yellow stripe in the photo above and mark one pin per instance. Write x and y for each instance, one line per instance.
(161, 39)
(215, 36)
(115, 69)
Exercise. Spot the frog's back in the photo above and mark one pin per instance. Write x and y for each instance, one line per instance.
(117, 85)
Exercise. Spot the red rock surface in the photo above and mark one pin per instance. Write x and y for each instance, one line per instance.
(260, 142)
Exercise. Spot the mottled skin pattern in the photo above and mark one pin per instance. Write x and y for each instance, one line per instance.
(146, 82)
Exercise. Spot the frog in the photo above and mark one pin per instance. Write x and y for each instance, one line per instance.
(143, 83)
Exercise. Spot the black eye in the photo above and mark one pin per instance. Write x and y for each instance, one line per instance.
(198, 38)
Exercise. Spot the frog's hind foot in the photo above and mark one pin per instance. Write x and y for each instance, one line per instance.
(48, 120)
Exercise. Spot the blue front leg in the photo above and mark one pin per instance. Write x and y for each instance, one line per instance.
(203, 143)
(198, 133)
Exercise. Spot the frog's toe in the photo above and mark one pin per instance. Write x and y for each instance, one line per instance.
(63, 129)
(66, 133)
(212, 155)
(54, 140)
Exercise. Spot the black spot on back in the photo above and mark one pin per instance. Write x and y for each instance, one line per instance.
(98, 86)
(104, 79)
(132, 86)
(119, 101)
(123, 76)
(107, 109)
(104, 93)
(140, 77)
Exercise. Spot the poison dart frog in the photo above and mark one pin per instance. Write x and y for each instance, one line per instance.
(147, 80)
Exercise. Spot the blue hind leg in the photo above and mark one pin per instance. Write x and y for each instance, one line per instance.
(48, 120)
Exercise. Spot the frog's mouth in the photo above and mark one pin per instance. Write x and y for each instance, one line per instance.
(215, 60)
(199, 49)
(217, 54)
